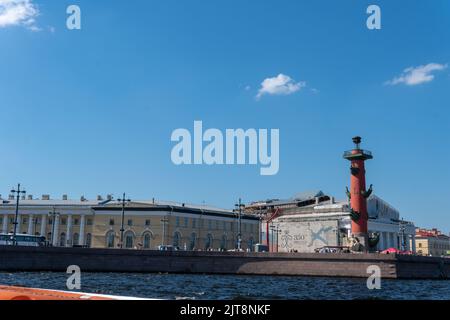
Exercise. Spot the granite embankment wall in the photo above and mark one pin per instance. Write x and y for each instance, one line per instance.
(299, 264)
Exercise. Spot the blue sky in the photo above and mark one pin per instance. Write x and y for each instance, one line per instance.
(91, 111)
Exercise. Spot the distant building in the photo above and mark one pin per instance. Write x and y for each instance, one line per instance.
(312, 220)
(147, 224)
(432, 242)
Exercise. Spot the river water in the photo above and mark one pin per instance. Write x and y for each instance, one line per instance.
(223, 287)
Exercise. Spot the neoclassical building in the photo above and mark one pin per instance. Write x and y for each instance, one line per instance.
(311, 220)
(147, 224)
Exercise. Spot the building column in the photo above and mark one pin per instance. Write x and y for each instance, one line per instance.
(69, 231)
(44, 226)
(407, 242)
(19, 224)
(5, 224)
(385, 242)
(396, 241)
(413, 240)
(382, 242)
(82, 224)
(55, 228)
(30, 224)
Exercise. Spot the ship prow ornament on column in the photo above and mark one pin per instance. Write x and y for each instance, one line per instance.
(358, 195)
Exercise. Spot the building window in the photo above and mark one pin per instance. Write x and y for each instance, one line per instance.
(62, 240)
(224, 226)
(111, 222)
(24, 220)
(129, 239)
(193, 241)
(76, 221)
(200, 223)
(130, 222)
(147, 223)
(194, 223)
(88, 240)
(63, 221)
(420, 245)
(50, 221)
(209, 224)
(1, 220)
(176, 239)
(177, 221)
(76, 238)
(223, 244)
(186, 222)
(147, 238)
(217, 225)
(110, 239)
(209, 241)
(89, 222)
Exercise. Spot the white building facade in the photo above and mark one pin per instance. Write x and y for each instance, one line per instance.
(323, 222)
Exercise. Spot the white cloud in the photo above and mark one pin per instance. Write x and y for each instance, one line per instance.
(416, 75)
(18, 13)
(279, 85)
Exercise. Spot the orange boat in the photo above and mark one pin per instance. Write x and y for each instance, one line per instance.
(19, 293)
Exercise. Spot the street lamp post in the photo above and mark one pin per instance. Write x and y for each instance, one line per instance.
(239, 207)
(19, 193)
(123, 201)
(53, 214)
(402, 232)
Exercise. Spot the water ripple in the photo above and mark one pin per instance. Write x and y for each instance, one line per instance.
(229, 287)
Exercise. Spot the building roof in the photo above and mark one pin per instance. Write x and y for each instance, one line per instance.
(135, 205)
(307, 195)
(173, 207)
(49, 203)
(433, 233)
(299, 197)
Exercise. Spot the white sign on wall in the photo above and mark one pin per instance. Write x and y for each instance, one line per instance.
(305, 236)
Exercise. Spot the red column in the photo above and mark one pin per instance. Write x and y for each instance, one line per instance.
(358, 201)
(358, 193)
